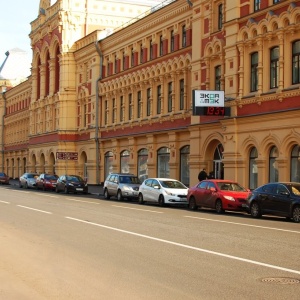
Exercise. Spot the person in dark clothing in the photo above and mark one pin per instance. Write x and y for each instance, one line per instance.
(202, 175)
(211, 175)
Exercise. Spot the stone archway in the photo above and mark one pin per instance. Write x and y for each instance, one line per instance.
(83, 168)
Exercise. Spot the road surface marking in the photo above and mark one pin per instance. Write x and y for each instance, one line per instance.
(126, 207)
(241, 224)
(189, 247)
(72, 199)
(4, 202)
(19, 191)
(45, 212)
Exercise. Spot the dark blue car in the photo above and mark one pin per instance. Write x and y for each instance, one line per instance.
(71, 183)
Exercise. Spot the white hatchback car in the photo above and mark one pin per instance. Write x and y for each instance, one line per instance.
(163, 191)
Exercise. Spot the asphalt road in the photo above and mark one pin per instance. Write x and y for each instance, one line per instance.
(56, 246)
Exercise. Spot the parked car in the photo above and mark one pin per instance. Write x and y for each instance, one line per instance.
(4, 179)
(71, 183)
(46, 182)
(218, 194)
(163, 191)
(279, 199)
(28, 180)
(121, 185)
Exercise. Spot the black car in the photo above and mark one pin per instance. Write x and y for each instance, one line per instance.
(71, 183)
(277, 198)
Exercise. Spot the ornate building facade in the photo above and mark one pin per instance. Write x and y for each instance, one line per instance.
(119, 96)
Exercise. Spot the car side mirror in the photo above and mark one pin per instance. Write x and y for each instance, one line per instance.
(285, 193)
(156, 187)
(213, 189)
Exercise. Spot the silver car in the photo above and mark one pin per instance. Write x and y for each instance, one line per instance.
(28, 180)
(122, 186)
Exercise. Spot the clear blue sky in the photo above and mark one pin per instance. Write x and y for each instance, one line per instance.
(15, 19)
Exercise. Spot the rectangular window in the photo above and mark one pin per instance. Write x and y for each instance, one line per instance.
(220, 16)
(172, 41)
(218, 78)
(181, 94)
(274, 67)
(296, 62)
(124, 61)
(148, 102)
(256, 5)
(132, 58)
(141, 54)
(113, 110)
(170, 100)
(151, 49)
(158, 107)
(183, 37)
(116, 65)
(139, 104)
(161, 46)
(130, 107)
(254, 72)
(121, 109)
(105, 112)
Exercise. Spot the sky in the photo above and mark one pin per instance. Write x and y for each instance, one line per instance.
(15, 25)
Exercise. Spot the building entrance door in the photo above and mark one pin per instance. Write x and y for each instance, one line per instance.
(218, 165)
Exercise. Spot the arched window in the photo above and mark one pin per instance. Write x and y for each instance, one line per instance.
(38, 79)
(108, 163)
(163, 158)
(142, 171)
(253, 169)
(273, 165)
(296, 62)
(57, 70)
(295, 164)
(124, 161)
(254, 72)
(47, 74)
(185, 165)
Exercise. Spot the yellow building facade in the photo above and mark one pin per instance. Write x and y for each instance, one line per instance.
(105, 95)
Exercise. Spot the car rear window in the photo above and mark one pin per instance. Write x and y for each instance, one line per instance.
(129, 179)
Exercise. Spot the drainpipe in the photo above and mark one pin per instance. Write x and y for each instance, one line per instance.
(2, 142)
(97, 114)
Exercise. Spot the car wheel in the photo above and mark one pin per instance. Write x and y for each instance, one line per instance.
(119, 195)
(141, 198)
(66, 190)
(44, 189)
(106, 195)
(296, 214)
(255, 210)
(26, 185)
(192, 204)
(219, 207)
(56, 189)
(20, 184)
(161, 200)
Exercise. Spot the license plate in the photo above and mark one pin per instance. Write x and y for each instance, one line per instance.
(79, 189)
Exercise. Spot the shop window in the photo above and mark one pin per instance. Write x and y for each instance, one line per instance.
(108, 163)
(253, 169)
(124, 161)
(163, 158)
(218, 78)
(295, 164)
(273, 165)
(142, 164)
(184, 165)
(274, 67)
(296, 62)
(254, 72)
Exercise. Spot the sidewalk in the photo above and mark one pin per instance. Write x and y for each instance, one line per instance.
(94, 189)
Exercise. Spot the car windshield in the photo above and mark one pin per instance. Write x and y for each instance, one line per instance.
(172, 184)
(51, 177)
(228, 186)
(129, 179)
(32, 176)
(74, 178)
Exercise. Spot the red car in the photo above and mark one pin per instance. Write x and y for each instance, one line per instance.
(218, 194)
(46, 182)
(4, 179)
